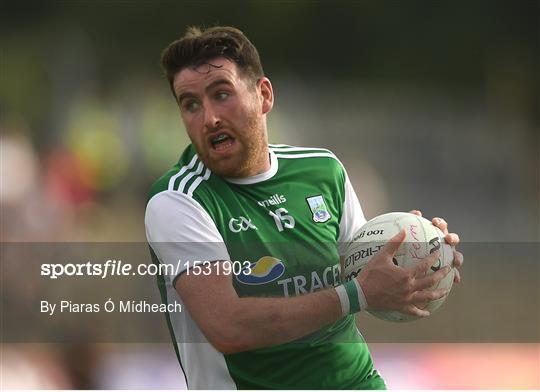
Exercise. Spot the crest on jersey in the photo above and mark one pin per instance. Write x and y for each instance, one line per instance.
(318, 209)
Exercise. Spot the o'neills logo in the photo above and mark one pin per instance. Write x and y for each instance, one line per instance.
(272, 201)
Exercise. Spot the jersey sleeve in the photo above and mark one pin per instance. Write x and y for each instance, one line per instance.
(352, 217)
(181, 232)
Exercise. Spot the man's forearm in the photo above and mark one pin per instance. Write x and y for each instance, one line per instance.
(263, 322)
(233, 324)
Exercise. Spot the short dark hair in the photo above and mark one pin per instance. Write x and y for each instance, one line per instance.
(198, 46)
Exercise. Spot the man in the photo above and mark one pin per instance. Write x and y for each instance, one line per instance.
(282, 320)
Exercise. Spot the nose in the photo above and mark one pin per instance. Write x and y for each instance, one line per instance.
(211, 118)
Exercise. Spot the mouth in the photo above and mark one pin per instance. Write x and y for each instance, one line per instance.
(221, 142)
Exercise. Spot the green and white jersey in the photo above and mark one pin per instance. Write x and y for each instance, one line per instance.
(289, 223)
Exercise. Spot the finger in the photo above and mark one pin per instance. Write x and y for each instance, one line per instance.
(441, 224)
(413, 310)
(432, 279)
(394, 243)
(416, 212)
(452, 239)
(422, 267)
(457, 276)
(458, 259)
(424, 296)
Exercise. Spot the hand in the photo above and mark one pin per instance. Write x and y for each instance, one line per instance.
(451, 239)
(390, 287)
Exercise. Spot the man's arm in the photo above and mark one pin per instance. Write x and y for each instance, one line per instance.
(233, 324)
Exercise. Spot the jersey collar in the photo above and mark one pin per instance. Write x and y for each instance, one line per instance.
(258, 177)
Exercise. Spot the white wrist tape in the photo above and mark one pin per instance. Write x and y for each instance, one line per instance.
(351, 297)
(343, 300)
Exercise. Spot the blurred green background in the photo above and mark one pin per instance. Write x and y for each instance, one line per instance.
(431, 105)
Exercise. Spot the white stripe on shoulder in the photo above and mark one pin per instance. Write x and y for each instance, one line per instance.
(310, 155)
(278, 145)
(284, 148)
(197, 181)
(189, 166)
(189, 176)
(306, 155)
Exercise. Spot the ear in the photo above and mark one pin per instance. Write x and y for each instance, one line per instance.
(267, 94)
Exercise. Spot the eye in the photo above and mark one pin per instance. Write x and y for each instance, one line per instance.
(191, 105)
(222, 95)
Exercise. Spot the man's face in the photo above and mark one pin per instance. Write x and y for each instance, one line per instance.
(224, 114)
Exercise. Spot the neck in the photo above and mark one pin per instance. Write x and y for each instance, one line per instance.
(261, 164)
